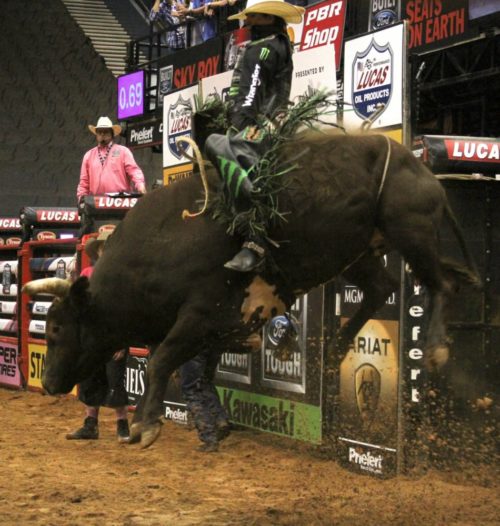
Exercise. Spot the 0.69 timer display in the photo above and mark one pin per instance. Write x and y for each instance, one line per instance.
(131, 95)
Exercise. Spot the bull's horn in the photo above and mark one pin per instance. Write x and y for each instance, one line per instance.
(57, 286)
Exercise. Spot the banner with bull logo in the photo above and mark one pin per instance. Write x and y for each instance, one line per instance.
(374, 79)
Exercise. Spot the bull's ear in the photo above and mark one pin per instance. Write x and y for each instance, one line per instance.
(79, 294)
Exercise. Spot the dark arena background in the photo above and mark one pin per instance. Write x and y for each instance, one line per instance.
(374, 440)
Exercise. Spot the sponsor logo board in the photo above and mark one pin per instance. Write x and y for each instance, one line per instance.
(36, 364)
(373, 76)
(274, 415)
(9, 368)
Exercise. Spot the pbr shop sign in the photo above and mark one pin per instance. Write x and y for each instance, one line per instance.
(436, 23)
(235, 367)
(144, 134)
(383, 13)
(373, 75)
(324, 25)
(185, 68)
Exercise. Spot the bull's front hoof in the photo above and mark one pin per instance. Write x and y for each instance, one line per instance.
(149, 434)
(135, 433)
(436, 357)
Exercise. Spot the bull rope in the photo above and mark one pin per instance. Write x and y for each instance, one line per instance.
(199, 160)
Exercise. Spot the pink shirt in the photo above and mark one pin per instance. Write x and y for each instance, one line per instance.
(120, 172)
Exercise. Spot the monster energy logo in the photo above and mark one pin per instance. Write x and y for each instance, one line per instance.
(264, 53)
(228, 168)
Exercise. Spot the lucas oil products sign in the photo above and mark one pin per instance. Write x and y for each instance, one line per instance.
(373, 75)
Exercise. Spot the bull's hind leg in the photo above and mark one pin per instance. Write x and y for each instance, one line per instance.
(370, 275)
(416, 240)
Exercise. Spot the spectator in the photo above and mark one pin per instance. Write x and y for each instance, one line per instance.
(204, 27)
(224, 9)
(106, 387)
(165, 12)
(202, 400)
(109, 167)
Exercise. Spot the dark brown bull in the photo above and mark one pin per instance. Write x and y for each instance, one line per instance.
(161, 278)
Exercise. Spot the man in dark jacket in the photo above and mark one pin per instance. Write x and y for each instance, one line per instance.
(259, 91)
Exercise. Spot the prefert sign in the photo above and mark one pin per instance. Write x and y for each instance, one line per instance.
(323, 25)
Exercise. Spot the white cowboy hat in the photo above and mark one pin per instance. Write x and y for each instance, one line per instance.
(105, 123)
(291, 14)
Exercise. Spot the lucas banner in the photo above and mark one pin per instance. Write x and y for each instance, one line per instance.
(373, 74)
(177, 110)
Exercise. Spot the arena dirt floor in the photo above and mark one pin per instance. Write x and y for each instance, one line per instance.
(255, 479)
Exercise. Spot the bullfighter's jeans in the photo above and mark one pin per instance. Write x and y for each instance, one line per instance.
(201, 396)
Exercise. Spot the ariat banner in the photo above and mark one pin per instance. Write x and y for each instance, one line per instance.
(274, 415)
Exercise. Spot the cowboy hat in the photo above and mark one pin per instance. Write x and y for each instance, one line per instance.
(289, 13)
(105, 123)
(93, 244)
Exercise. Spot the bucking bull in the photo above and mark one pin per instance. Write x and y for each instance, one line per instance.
(162, 279)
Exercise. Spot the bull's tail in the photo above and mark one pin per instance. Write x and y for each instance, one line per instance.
(469, 274)
(201, 163)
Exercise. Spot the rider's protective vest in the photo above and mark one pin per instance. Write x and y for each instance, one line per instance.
(261, 81)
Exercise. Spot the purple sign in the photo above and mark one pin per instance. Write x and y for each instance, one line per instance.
(9, 370)
(131, 95)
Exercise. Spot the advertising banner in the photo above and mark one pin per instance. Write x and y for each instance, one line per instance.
(186, 67)
(286, 373)
(135, 378)
(324, 26)
(173, 404)
(36, 363)
(9, 369)
(177, 110)
(235, 367)
(275, 415)
(314, 69)
(369, 384)
(144, 134)
(436, 23)
(451, 154)
(373, 76)
(383, 13)
(216, 85)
